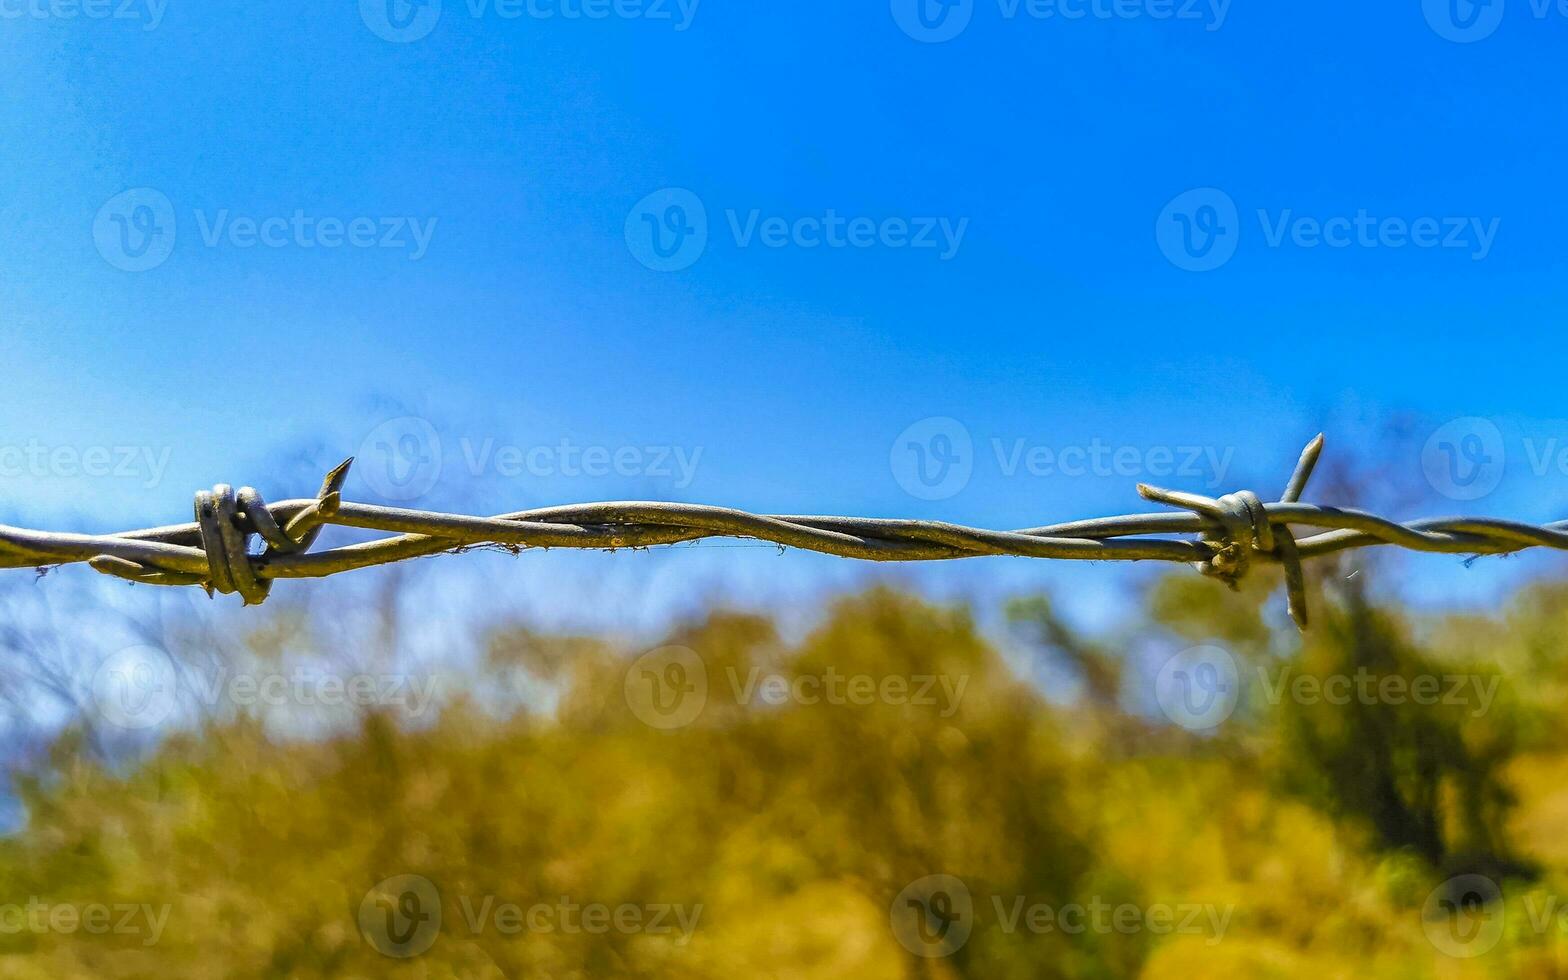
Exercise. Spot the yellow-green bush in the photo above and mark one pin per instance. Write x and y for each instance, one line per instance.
(792, 831)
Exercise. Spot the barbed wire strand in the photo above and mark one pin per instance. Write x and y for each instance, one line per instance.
(1233, 532)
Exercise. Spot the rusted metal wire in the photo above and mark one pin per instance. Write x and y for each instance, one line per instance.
(1234, 532)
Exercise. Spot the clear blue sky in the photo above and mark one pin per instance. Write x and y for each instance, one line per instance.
(524, 145)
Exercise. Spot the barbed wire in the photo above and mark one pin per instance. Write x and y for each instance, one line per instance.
(1233, 532)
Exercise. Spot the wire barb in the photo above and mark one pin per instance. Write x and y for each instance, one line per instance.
(1245, 530)
(1233, 533)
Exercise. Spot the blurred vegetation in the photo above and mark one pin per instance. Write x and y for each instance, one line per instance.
(1318, 830)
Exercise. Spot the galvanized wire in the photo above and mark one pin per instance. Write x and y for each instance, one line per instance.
(1233, 532)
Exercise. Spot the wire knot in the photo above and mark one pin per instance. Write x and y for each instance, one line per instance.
(1240, 530)
(1246, 530)
(226, 521)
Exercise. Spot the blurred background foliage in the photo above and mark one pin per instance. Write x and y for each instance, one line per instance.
(1318, 829)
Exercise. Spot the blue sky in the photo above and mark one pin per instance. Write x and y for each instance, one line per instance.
(1011, 189)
